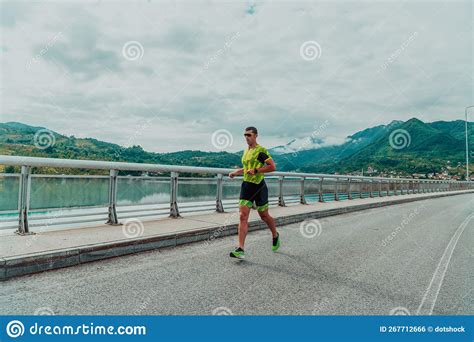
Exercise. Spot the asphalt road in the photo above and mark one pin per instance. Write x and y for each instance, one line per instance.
(414, 258)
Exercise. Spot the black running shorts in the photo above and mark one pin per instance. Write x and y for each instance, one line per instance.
(250, 192)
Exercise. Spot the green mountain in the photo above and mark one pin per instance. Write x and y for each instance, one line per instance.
(401, 147)
(295, 157)
(405, 147)
(19, 139)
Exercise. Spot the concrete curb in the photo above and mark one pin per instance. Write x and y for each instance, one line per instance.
(32, 263)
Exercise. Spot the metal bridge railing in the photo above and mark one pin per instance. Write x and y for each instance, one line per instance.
(309, 187)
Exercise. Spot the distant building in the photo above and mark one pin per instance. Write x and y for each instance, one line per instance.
(370, 169)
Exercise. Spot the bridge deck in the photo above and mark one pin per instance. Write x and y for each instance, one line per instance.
(54, 249)
(350, 268)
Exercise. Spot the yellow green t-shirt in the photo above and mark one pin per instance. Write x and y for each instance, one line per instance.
(254, 158)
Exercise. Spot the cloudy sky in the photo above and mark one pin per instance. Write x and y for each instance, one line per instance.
(193, 74)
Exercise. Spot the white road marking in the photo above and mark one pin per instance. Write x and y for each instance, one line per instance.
(431, 295)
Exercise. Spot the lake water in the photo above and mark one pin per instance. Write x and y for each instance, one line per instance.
(79, 198)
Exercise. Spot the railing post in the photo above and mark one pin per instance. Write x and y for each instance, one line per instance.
(220, 183)
(113, 219)
(336, 195)
(174, 211)
(395, 187)
(388, 191)
(380, 188)
(302, 198)
(281, 200)
(371, 194)
(361, 186)
(349, 194)
(24, 200)
(320, 191)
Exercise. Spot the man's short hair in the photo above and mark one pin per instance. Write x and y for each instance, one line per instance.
(253, 129)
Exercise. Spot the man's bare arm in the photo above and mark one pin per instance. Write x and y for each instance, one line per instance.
(270, 167)
(267, 168)
(237, 172)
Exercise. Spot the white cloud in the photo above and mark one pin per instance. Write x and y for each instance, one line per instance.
(211, 65)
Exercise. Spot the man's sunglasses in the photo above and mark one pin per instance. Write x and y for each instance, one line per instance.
(247, 134)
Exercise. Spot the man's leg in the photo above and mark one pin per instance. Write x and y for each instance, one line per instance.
(262, 208)
(243, 224)
(265, 216)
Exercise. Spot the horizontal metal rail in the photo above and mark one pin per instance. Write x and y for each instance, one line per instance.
(327, 187)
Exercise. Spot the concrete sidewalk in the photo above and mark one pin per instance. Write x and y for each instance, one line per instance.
(20, 255)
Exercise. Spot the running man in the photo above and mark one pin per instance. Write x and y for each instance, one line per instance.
(256, 161)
